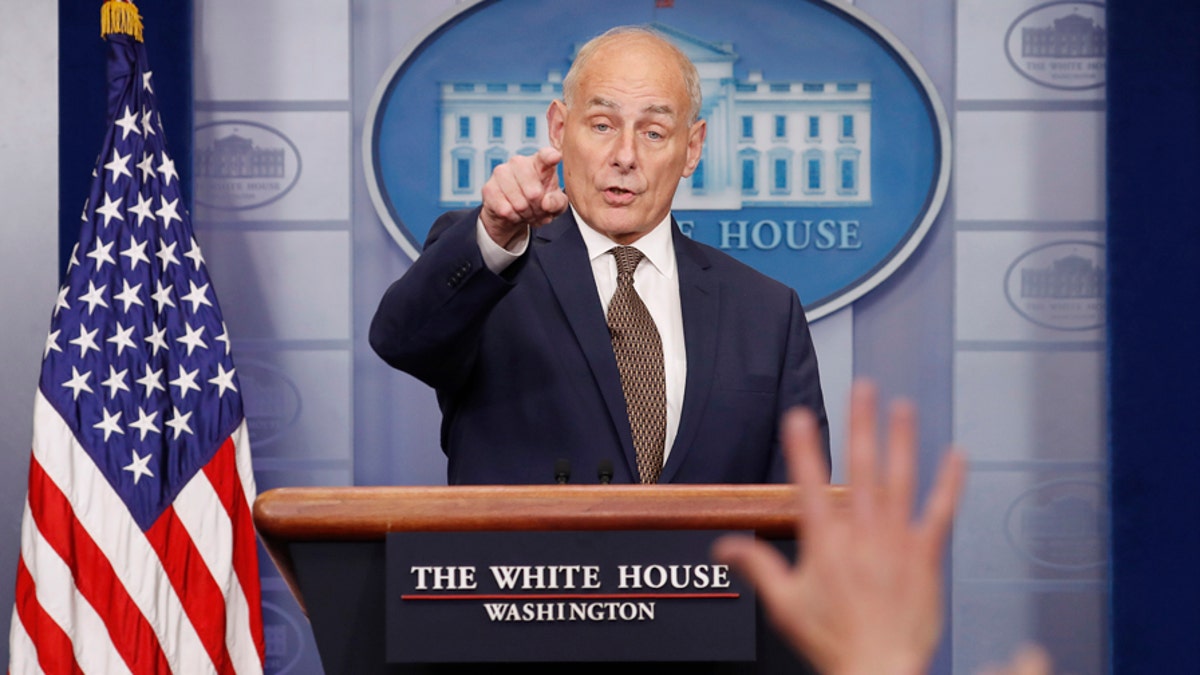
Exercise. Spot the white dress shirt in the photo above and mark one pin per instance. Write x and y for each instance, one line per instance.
(656, 280)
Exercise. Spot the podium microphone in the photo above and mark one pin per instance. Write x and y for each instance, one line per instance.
(562, 471)
(605, 471)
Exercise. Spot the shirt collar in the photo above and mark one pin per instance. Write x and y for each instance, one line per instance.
(657, 244)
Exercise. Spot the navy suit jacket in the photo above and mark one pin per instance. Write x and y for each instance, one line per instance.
(525, 374)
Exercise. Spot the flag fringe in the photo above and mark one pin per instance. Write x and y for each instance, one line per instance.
(120, 16)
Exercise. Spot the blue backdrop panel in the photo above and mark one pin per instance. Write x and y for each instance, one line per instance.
(1154, 246)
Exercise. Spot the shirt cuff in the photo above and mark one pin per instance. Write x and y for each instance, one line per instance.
(496, 257)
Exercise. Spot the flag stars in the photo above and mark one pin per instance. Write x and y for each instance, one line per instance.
(102, 253)
(146, 81)
(136, 254)
(118, 166)
(180, 423)
(166, 255)
(78, 383)
(151, 381)
(224, 337)
(157, 340)
(115, 383)
(74, 261)
(110, 209)
(223, 380)
(51, 344)
(147, 129)
(163, 296)
(186, 382)
(197, 296)
(128, 123)
(145, 423)
(122, 338)
(86, 340)
(168, 211)
(109, 424)
(61, 302)
(194, 254)
(129, 295)
(138, 467)
(143, 207)
(94, 296)
(167, 169)
(191, 338)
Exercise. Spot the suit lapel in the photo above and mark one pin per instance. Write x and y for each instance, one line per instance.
(700, 303)
(563, 258)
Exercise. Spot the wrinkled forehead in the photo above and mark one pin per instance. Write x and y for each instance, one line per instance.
(638, 65)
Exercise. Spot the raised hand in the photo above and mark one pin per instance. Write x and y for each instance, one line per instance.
(866, 595)
(523, 192)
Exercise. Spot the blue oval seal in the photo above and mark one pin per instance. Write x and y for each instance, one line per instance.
(828, 151)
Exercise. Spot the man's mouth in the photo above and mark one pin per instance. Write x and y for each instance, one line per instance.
(617, 196)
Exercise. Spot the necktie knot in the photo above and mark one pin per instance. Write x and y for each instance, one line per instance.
(628, 258)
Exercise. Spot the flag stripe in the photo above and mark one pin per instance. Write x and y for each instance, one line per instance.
(22, 658)
(200, 512)
(223, 478)
(222, 471)
(103, 514)
(58, 595)
(94, 576)
(57, 655)
(193, 583)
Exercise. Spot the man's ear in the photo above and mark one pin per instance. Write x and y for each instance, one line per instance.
(556, 122)
(695, 146)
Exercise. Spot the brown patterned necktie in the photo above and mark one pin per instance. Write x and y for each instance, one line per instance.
(639, 353)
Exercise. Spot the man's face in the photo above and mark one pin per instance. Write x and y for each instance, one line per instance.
(626, 140)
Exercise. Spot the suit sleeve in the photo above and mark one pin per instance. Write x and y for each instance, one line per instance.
(800, 385)
(429, 321)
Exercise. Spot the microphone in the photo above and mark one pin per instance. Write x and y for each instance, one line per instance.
(562, 471)
(605, 471)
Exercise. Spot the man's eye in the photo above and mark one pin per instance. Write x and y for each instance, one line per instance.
(654, 135)
(601, 127)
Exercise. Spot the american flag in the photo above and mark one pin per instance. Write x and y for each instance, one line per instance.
(138, 553)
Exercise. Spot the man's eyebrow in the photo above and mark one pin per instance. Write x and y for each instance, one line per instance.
(659, 109)
(603, 103)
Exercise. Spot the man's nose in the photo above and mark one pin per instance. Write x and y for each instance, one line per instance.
(624, 155)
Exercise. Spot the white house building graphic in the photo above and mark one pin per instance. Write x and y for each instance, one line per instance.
(782, 143)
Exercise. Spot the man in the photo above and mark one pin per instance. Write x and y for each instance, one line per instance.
(547, 338)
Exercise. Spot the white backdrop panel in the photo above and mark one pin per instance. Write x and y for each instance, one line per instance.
(1030, 165)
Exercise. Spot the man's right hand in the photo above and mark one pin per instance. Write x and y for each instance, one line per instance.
(522, 192)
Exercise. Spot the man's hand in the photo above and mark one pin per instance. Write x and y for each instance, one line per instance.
(523, 192)
(866, 596)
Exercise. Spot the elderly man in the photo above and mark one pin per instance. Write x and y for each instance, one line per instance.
(583, 326)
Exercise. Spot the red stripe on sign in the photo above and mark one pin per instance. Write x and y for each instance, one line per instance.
(222, 473)
(130, 632)
(54, 652)
(193, 582)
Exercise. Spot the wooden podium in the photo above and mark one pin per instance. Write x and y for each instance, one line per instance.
(328, 544)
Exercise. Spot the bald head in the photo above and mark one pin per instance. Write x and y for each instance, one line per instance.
(635, 37)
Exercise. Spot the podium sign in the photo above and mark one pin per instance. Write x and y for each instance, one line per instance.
(545, 596)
